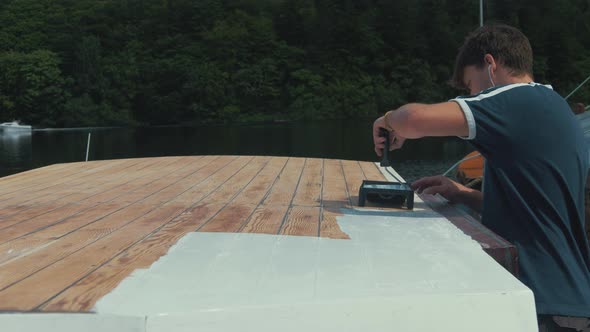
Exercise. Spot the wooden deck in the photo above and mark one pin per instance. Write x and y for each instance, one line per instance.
(69, 233)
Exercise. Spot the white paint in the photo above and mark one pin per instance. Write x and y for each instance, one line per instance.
(401, 314)
(27, 322)
(401, 271)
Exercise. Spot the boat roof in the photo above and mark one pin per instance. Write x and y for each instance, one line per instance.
(238, 242)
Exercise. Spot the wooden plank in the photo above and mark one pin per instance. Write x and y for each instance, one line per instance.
(38, 175)
(302, 221)
(37, 194)
(74, 271)
(114, 175)
(25, 244)
(335, 197)
(335, 192)
(329, 226)
(238, 181)
(16, 270)
(113, 182)
(83, 295)
(218, 169)
(48, 235)
(78, 301)
(147, 179)
(178, 182)
(354, 177)
(86, 182)
(372, 171)
(214, 179)
(35, 290)
(108, 234)
(283, 189)
(309, 190)
(181, 186)
(74, 173)
(170, 185)
(13, 178)
(265, 219)
(21, 224)
(33, 208)
(21, 180)
(230, 219)
(249, 169)
(22, 227)
(203, 175)
(257, 190)
(112, 222)
(35, 241)
(235, 215)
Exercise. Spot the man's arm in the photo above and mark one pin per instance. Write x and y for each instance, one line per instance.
(420, 120)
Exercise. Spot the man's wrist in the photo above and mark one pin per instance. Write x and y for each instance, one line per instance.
(462, 195)
(470, 197)
(388, 121)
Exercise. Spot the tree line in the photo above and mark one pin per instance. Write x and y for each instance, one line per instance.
(69, 63)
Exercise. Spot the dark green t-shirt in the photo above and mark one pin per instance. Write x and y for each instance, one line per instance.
(536, 166)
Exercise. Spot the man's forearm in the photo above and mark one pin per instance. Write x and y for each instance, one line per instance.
(472, 198)
(401, 121)
(420, 120)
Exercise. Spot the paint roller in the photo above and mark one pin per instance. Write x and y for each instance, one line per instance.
(395, 194)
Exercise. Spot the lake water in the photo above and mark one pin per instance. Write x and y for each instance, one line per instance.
(327, 139)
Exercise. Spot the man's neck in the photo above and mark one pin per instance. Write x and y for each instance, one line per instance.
(509, 79)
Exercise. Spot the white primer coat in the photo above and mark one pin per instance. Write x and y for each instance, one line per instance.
(401, 271)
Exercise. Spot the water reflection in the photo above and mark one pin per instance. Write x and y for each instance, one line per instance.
(327, 139)
(15, 151)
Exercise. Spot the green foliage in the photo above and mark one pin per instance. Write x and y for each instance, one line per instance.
(31, 87)
(113, 62)
(205, 89)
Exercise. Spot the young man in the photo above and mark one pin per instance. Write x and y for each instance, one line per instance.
(536, 166)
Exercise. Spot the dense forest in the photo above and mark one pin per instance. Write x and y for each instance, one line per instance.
(144, 62)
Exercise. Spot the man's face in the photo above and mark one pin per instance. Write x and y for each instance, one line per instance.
(476, 80)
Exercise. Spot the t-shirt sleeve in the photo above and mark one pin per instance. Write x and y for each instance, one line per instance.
(488, 120)
(469, 117)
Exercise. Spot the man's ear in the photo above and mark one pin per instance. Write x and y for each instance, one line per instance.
(489, 60)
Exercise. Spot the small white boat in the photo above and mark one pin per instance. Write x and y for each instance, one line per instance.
(14, 126)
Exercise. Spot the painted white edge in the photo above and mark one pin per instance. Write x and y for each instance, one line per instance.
(385, 171)
(398, 177)
(70, 322)
(466, 314)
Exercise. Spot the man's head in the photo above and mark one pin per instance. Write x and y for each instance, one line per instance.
(493, 55)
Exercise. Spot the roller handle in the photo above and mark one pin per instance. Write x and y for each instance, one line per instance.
(385, 159)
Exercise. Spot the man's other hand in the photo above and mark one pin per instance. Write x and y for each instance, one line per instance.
(442, 185)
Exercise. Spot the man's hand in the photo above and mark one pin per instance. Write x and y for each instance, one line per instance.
(439, 184)
(449, 189)
(395, 141)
